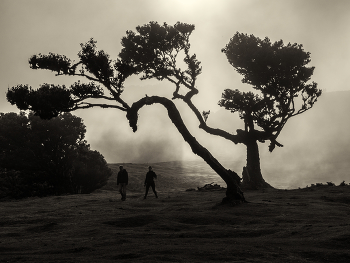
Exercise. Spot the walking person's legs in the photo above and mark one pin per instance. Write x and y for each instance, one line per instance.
(154, 189)
(147, 188)
(122, 190)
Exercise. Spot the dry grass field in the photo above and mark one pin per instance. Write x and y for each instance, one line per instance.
(303, 225)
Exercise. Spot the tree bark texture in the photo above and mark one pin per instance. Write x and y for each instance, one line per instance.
(252, 177)
(233, 193)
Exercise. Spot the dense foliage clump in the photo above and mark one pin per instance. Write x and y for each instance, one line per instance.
(44, 157)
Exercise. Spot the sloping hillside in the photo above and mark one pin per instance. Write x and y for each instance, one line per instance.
(306, 225)
(171, 176)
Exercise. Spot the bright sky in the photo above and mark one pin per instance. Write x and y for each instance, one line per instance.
(59, 26)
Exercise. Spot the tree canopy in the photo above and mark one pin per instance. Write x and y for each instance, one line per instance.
(279, 73)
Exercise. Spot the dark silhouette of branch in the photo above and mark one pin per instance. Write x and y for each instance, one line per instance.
(228, 176)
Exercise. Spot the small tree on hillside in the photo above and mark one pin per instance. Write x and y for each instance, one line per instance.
(153, 51)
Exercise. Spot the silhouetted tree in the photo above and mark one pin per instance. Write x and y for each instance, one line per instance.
(154, 51)
(15, 155)
(39, 157)
(14, 141)
(280, 75)
(90, 170)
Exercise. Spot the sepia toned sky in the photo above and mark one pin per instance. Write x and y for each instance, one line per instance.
(29, 27)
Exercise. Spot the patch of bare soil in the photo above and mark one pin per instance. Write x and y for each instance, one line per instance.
(305, 225)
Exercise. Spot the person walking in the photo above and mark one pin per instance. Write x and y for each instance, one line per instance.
(149, 181)
(122, 181)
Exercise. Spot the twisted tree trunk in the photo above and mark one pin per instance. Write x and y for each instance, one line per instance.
(233, 193)
(252, 177)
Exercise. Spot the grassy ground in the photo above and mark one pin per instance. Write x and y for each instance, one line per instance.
(304, 225)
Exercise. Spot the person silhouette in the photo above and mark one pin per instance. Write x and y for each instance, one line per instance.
(122, 181)
(149, 181)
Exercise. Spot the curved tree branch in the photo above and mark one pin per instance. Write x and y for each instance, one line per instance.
(230, 177)
(86, 105)
(203, 125)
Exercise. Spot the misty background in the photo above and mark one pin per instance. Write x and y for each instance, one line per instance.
(316, 143)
